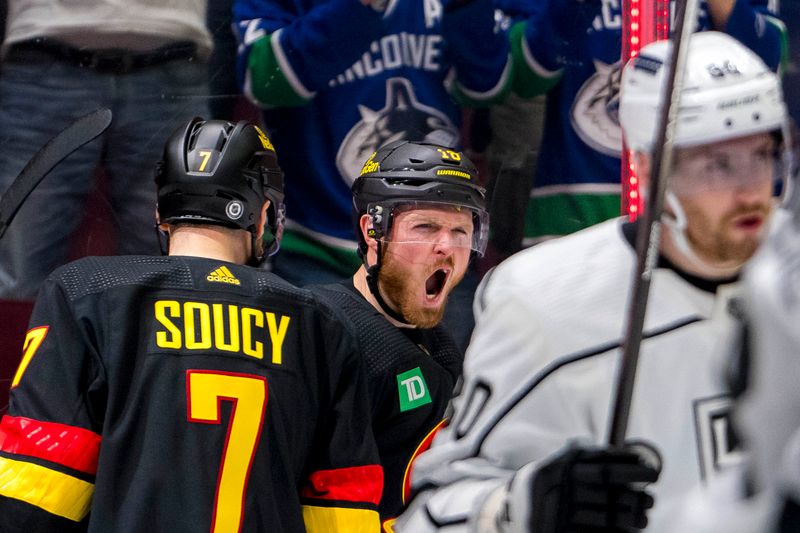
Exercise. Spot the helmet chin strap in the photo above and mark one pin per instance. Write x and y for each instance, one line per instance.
(676, 224)
(372, 283)
(163, 239)
(255, 260)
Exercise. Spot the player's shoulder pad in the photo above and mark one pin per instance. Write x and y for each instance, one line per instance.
(91, 275)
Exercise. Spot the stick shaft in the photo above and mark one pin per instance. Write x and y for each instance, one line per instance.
(649, 231)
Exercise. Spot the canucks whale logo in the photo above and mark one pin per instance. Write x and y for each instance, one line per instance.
(403, 117)
(595, 110)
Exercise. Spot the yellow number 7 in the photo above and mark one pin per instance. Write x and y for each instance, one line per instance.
(206, 154)
(32, 342)
(205, 390)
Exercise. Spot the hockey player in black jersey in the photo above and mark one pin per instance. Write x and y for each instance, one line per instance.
(191, 392)
(421, 215)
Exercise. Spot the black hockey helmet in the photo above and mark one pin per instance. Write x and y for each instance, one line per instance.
(215, 172)
(405, 172)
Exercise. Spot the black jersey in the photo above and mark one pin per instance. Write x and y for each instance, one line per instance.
(411, 374)
(185, 394)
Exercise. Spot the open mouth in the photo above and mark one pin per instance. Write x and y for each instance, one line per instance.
(435, 283)
(749, 222)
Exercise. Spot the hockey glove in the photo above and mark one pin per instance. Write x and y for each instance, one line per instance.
(557, 32)
(590, 489)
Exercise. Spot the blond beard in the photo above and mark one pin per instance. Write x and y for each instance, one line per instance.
(398, 289)
(715, 247)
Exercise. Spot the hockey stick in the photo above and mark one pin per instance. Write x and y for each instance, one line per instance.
(649, 234)
(80, 132)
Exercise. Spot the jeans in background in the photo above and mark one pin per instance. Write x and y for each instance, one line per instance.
(40, 98)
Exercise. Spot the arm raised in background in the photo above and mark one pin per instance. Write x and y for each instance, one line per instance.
(551, 35)
(752, 23)
(546, 37)
(286, 55)
(479, 49)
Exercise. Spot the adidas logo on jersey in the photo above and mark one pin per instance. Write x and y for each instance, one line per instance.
(223, 275)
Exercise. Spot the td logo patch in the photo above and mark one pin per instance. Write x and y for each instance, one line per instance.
(412, 389)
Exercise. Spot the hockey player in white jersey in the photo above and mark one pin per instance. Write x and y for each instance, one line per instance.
(525, 449)
(763, 494)
(768, 412)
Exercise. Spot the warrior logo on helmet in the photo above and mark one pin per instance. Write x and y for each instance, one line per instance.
(403, 117)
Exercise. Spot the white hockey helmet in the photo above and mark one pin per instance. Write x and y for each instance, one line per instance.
(728, 92)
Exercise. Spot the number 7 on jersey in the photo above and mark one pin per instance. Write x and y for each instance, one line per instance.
(205, 390)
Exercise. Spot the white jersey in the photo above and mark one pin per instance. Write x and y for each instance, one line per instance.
(768, 414)
(542, 365)
(140, 25)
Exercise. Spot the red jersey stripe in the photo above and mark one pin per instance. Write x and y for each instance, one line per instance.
(70, 446)
(355, 484)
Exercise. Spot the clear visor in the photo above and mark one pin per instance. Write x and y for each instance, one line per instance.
(697, 172)
(432, 224)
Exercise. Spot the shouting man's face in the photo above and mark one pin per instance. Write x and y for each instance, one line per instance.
(424, 259)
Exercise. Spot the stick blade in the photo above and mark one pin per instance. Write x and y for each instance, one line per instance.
(80, 132)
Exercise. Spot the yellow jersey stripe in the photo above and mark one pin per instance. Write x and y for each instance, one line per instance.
(56, 493)
(333, 519)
